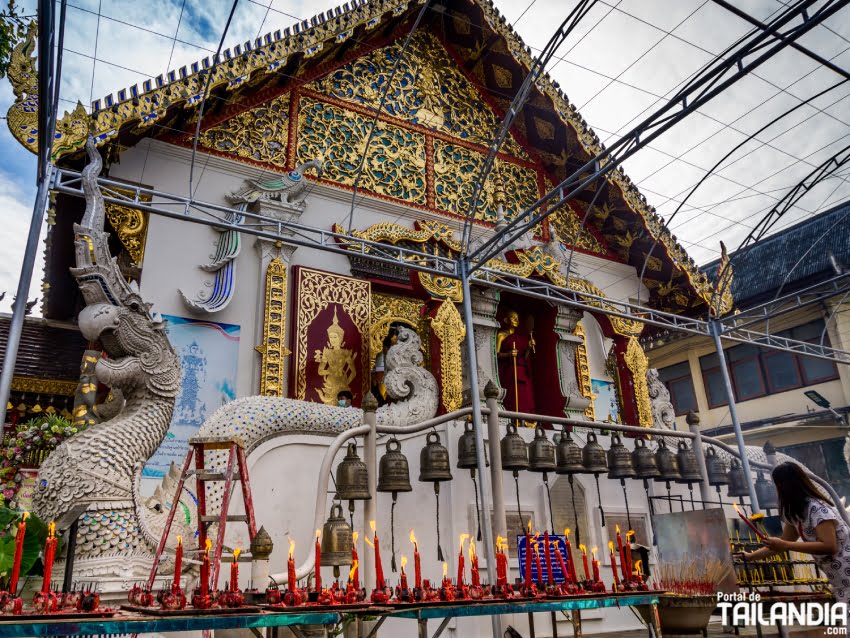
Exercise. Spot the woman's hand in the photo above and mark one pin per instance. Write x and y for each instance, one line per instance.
(776, 544)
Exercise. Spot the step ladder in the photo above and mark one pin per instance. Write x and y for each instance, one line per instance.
(235, 457)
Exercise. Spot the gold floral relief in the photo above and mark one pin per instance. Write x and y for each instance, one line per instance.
(130, 225)
(260, 134)
(567, 225)
(449, 329)
(583, 372)
(395, 165)
(389, 309)
(456, 169)
(273, 349)
(427, 89)
(637, 363)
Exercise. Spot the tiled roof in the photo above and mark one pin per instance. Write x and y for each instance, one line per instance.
(46, 351)
(803, 250)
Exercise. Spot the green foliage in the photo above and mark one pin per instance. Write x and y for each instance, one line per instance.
(13, 28)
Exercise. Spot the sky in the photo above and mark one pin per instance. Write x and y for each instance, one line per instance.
(618, 65)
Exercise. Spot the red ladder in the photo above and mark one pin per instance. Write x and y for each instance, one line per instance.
(236, 454)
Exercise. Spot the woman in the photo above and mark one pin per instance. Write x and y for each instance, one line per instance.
(809, 515)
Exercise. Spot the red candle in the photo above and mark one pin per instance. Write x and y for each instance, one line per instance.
(49, 556)
(318, 562)
(403, 575)
(446, 581)
(546, 551)
(629, 565)
(501, 561)
(528, 560)
(537, 561)
(417, 566)
(570, 556)
(595, 566)
(205, 570)
(614, 566)
(380, 583)
(561, 562)
(460, 563)
(584, 561)
(290, 567)
(234, 570)
(354, 575)
(622, 555)
(178, 562)
(473, 559)
(19, 551)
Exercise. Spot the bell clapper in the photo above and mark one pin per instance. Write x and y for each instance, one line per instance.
(549, 498)
(691, 490)
(649, 498)
(626, 499)
(439, 547)
(599, 496)
(392, 532)
(516, 483)
(575, 514)
(477, 505)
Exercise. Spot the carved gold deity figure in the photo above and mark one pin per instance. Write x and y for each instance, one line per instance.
(336, 364)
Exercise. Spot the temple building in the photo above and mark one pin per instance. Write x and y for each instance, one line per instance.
(291, 131)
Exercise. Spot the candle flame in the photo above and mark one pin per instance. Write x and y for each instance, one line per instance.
(567, 533)
(756, 517)
(638, 567)
(291, 547)
(179, 540)
(471, 549)
(236, 553)
(318, 535)
(463, 538)
(51, 530)
(403, 562)
(372, 526)
(583, 549)
(354, 537)
(629, 534)
(593, 552)
(445, 570)
(611, 546)
(618, 529)
(413, 540)
(529, 526)
(536, 548)
(24, 517)
(207, 546)
(352, 570)
(368, 542)
(501, 543)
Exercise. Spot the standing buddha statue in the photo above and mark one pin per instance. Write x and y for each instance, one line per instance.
(514, 354)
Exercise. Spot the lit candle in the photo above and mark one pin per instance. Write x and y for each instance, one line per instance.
(446, 582)
(318, 561)
(501, 562)
(595, 565)
(614, 566)
(380, 583)
(546, 551)
(19, 551)
(473, 559)
(205, 569)
(460, 563)
(584, 561)
(354, 575)
(403, 575)
(290, 567)
(234, 570)
(528, 557)
(417, 566)
(561, 562)
(49, 556)
(537, 560)
(622, 555)
(178, 563)
(570, 556)
(629, 534)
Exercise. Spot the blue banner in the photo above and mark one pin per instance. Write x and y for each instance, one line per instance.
(560, 542)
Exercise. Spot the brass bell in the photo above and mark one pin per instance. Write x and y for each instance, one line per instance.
(593, 456)
(688, 464)
(514, 450)
(715, 468)
(336, 540)
(667, 463)
(541, 452)
(643, 460)
(352, 477)
(737, 480)
(569, 455)
(434, 464)
(466, 459)
(766, 493)
(393, 471)
(620, 464)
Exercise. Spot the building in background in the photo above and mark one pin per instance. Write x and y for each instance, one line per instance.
(798, 403)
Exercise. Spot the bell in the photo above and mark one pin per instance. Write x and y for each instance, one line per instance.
(643, 460)
(393, 471)
(541, 452)
(667, 463)
(466, 459)
(336, 539)
(766, 493)
(434, 464)
(593, 456)
(688, 465)
(620, 464)
(569, 456)
(737, 480)
(514, 450)
(715, 468)
(352, 477)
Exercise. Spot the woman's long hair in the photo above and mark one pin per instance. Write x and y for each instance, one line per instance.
(795, 490)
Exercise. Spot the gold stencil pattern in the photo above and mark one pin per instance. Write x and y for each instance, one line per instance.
(456, 169)
(637, 363)
(567, 224)
(37, 385)
(260, 134)
(317, 290)
(273, 350)
(427, 89)
(448, 327)
(395, 166)
(388, 309)
(583, 372)
(131, 227)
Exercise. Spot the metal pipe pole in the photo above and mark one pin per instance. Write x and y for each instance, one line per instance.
(370, 507)
(500, 519)
(733, 413)
(475, 399)
(704, 488)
